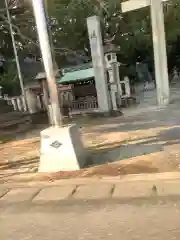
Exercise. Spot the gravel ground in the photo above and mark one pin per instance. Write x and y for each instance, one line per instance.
(145, 140)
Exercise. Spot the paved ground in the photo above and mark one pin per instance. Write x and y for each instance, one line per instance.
(145, 140)
(91, 221)
(136, 207)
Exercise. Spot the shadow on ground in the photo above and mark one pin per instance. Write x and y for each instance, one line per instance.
(138, 123)
(116, 151)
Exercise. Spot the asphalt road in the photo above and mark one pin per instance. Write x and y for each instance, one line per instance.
(103, 220)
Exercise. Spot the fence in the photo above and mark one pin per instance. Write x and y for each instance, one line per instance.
(84, 105)
(18, 103)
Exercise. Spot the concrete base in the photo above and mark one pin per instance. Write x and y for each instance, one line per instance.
(61, 149)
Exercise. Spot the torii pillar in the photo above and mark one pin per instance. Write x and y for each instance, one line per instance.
(159, 44)
(98, 60)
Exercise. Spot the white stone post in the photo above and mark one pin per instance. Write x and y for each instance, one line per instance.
(38, 102)
(113, 96)
(97, 53)
(13, 101)
(127, 87)
(24, 104)
(19, 104)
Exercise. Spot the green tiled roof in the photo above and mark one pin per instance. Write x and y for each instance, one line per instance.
(75, 76)
(78, 67)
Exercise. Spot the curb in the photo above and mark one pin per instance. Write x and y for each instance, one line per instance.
(83, 181)
(146, 186)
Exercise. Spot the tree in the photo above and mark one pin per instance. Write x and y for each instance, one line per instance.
(9, 80)
(67, 24)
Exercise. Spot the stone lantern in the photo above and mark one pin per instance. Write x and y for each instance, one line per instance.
(112, 66)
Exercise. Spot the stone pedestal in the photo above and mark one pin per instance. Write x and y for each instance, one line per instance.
(114, 78)
(61, 149)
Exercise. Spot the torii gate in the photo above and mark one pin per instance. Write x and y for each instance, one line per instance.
(159, 44)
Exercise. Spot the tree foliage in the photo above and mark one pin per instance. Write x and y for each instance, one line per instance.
(9, 79)
(130, 31)
(67, 24)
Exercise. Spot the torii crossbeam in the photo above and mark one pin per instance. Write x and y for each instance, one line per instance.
(159, 44)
